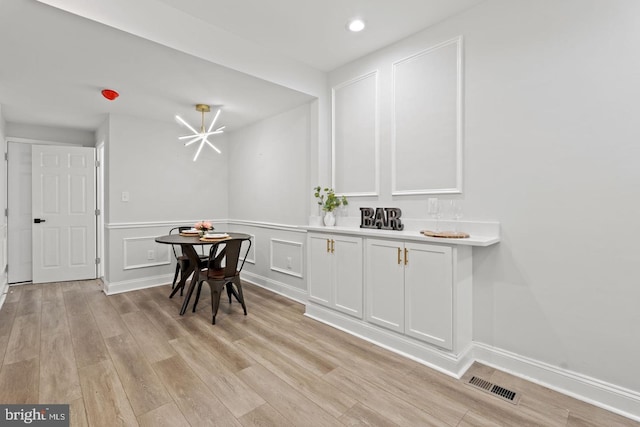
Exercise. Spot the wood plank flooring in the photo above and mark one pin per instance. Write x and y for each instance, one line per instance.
(131, 359)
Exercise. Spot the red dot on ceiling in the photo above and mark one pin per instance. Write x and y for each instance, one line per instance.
(110, 94)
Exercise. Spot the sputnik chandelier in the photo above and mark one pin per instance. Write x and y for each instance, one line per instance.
(203, 135)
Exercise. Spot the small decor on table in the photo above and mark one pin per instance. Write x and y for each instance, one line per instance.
(203, 227)
(329, 202)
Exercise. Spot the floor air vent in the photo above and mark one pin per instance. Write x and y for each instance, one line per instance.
(496, 390)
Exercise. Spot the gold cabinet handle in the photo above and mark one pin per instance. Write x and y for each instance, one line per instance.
(333, 247)
(399, 254)
(406, 256)
(328, 249)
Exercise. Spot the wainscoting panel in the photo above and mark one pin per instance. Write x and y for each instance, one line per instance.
(274, 244)
(141, 252)
(287, 257)
(127, 266)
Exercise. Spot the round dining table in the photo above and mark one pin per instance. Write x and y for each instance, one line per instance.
(188, 244)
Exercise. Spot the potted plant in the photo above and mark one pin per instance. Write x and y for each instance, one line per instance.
(328, 201)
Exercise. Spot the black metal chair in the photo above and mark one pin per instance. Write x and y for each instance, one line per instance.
(222, 270)
(182, 261)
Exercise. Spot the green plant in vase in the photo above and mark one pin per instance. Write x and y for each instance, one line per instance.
(328, 202)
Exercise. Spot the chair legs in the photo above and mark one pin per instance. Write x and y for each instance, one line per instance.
(217, 286)
(175, 276)
(231, 290)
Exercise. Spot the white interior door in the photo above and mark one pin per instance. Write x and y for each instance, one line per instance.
(19, 212)
(63, 209)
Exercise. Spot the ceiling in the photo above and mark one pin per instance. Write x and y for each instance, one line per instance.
(55, 63)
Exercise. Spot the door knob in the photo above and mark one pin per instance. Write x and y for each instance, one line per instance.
(38, 220)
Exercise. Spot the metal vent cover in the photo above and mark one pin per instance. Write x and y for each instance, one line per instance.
(496, 390)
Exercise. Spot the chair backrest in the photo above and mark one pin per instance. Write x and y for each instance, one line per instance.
(229, 252)
(177, 251)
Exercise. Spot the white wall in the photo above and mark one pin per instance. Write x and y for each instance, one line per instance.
(551, 151)
(268, 178)
(146, 159)
(166, 188)
(269, 189)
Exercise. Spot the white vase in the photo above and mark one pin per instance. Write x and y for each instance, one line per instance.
(329, 219)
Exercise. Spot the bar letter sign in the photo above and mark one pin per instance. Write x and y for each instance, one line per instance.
(382, 218)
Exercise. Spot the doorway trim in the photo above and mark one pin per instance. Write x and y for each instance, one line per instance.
(31, 141)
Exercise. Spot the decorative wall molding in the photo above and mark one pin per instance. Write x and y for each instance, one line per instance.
(417, 123)
(155, 224)
(161, 259)
(338, 127)
(276, 264)
(269, 225)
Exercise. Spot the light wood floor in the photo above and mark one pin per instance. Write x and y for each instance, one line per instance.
(130, 359)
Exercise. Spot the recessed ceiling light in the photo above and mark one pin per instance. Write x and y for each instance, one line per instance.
(355, 25)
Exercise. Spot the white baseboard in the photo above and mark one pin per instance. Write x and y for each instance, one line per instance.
(448, 363)
(582, 387)
(280, 288)
(4, 289)
(136, 284)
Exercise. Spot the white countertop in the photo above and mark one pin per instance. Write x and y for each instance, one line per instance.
(474, 239)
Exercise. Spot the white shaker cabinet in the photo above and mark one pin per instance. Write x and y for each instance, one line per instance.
(414, 289)
(335, 272)
(384, 277)
(407, 292)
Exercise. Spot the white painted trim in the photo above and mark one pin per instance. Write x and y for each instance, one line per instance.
(125, 252)
(151, 224)
(582, 387)
(136, 284)
(459, 121)
(39, 141)
(269, 225)
(376, 190)
(4, 290)
(300, 245)
(220, 222)
(296, 294)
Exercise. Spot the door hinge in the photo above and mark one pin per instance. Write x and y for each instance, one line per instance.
(97, 163)
(97, 212)
(6, 212)
(6, 156)
(97, 261)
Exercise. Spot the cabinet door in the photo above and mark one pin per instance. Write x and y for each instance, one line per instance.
(385, 283)
(347, 263)
(429, 294)
(320, 269)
